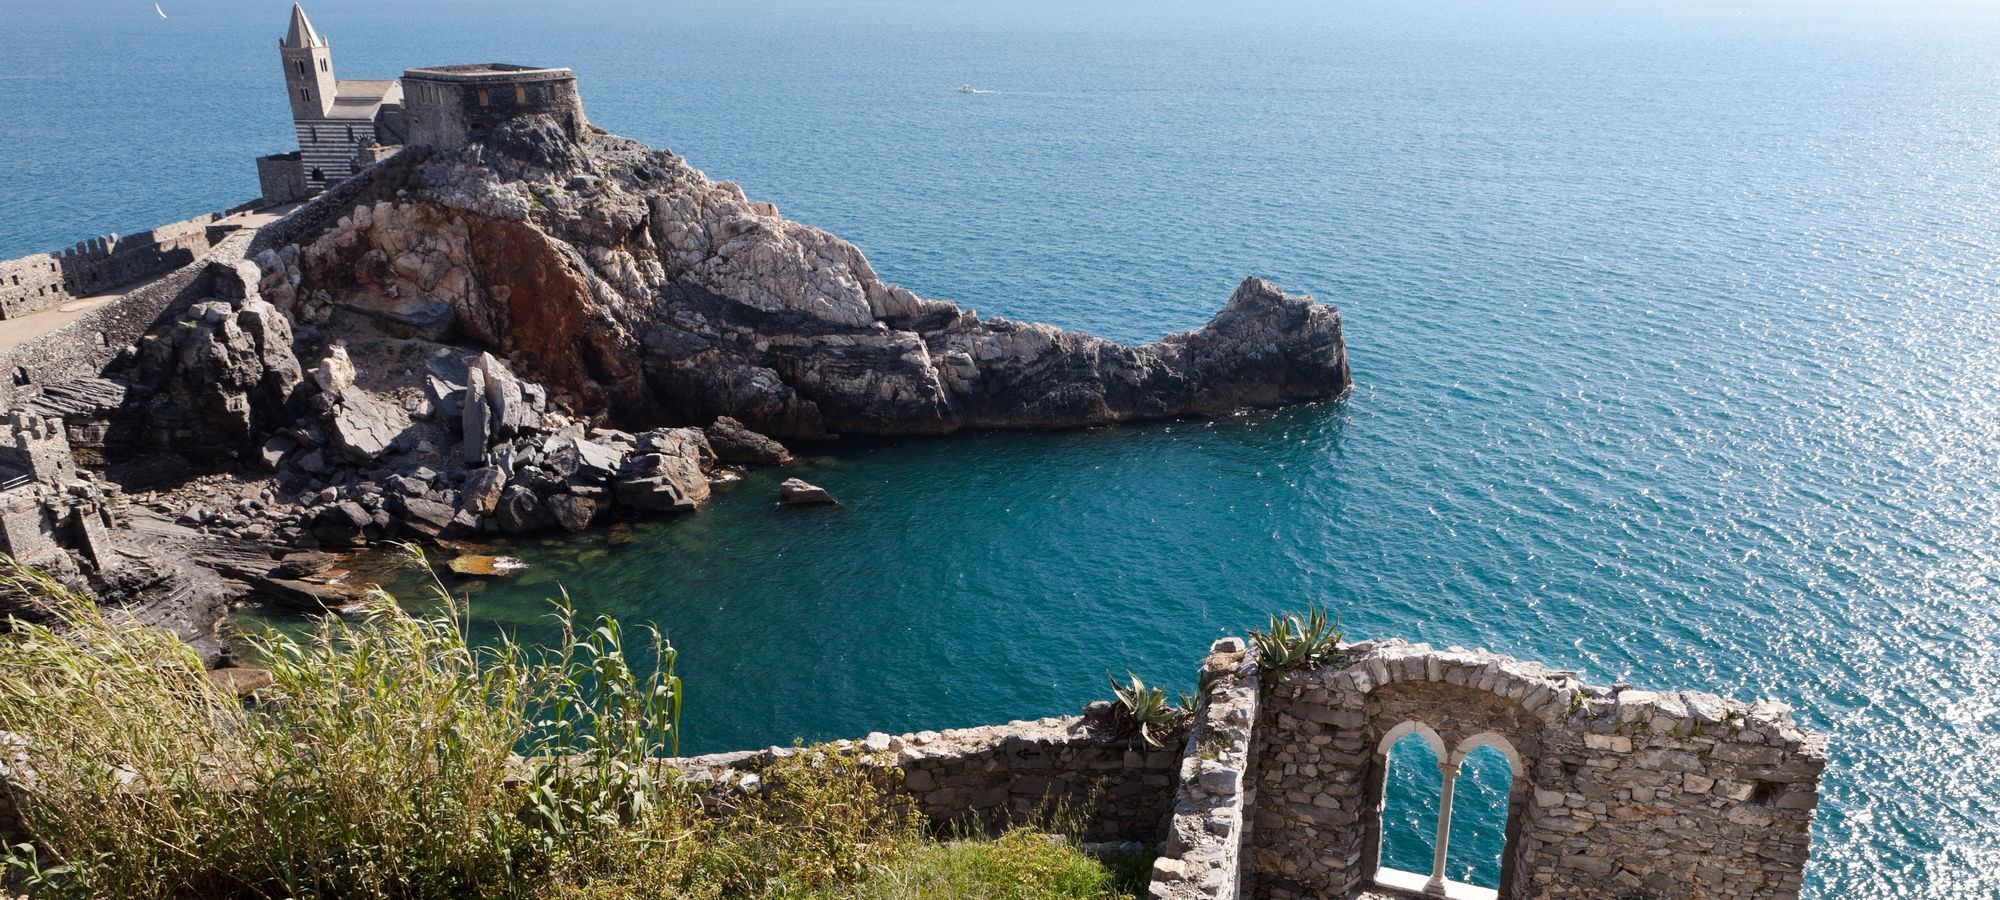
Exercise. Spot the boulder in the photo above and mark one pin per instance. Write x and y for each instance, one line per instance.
(480, 492)
(363, 427)
(797, 492)
(274, 450)
(736, 444)
(475, 417)
(571, 512)
(426, 517)
(335, 373)
(657, 482)
(513, 402)
(520, 511)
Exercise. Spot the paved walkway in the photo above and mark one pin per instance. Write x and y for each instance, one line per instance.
(15, 332)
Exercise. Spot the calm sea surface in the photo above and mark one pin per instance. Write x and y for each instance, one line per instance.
(1673, 331)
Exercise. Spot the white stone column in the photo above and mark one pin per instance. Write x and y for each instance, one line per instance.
(1448, 770)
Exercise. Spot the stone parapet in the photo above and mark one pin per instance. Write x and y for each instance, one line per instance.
(984, 779)
(45, 280)
(1205, 852)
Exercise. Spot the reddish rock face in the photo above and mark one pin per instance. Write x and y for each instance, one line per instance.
(548, 321)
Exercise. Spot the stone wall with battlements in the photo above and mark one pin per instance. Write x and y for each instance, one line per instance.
(45, 280)
(84, 347)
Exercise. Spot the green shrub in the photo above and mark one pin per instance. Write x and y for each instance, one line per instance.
(1294, 641)
(391, 758)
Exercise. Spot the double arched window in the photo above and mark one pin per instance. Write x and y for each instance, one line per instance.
(1443, 813)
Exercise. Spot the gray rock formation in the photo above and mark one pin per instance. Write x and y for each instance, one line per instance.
(798, 492)
(634, 286)
(736, 444)
(216, 379)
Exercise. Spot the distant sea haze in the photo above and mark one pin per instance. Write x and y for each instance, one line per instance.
(1673, 331)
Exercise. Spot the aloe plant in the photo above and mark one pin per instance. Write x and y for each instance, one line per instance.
(1146, 708)
(1295, 641)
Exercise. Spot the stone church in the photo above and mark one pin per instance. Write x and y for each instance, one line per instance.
(343, 126)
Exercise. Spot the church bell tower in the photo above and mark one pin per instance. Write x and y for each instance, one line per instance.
(308, 69)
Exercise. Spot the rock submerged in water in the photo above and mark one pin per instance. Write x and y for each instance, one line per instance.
(798, 492)
(486, 566)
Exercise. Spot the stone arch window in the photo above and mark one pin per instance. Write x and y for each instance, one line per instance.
(1449, 764)
(1490, 785)
(300, 64)
(305, 95)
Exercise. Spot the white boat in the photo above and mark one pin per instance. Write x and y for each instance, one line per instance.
(967, 89)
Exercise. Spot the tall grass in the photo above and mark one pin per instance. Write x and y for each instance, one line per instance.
(392, 758)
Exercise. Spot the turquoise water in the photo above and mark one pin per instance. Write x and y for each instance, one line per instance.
(1673, 333)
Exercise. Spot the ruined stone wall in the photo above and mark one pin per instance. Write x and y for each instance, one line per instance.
(989, 777)
(84, 347)
(44, 280)
(1206, 851)
(1619, 794)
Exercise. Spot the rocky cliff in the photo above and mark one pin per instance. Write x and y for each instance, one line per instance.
(539, 331)
(634, 287)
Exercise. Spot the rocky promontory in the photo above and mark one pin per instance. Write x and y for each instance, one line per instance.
(638, 290)
(543, 331)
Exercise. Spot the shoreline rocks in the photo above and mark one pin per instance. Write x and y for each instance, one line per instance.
(798, 492)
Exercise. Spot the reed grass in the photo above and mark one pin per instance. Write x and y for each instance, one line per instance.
(391, 757)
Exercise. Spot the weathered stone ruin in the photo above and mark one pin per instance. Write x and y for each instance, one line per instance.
(1276, 786)
(1616, 793)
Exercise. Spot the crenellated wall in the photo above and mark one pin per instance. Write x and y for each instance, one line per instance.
(44, 280)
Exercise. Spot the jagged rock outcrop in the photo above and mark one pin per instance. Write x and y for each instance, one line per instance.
(217, 378)
(636, 288)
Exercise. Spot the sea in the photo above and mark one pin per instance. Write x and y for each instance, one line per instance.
(1673, 329)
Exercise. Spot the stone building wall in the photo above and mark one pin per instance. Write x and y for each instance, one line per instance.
(448, 106)
(44, 280)
(1618, 793)
(281, 178)
(989, 777)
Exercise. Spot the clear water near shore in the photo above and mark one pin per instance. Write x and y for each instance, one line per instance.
(1673, 330)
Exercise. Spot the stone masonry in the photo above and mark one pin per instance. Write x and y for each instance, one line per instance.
(45, 280)
(984, 779)
(1617, 793)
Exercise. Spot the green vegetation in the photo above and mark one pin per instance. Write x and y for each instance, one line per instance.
(1146, 710)
(390, 758)
(1295, 641)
